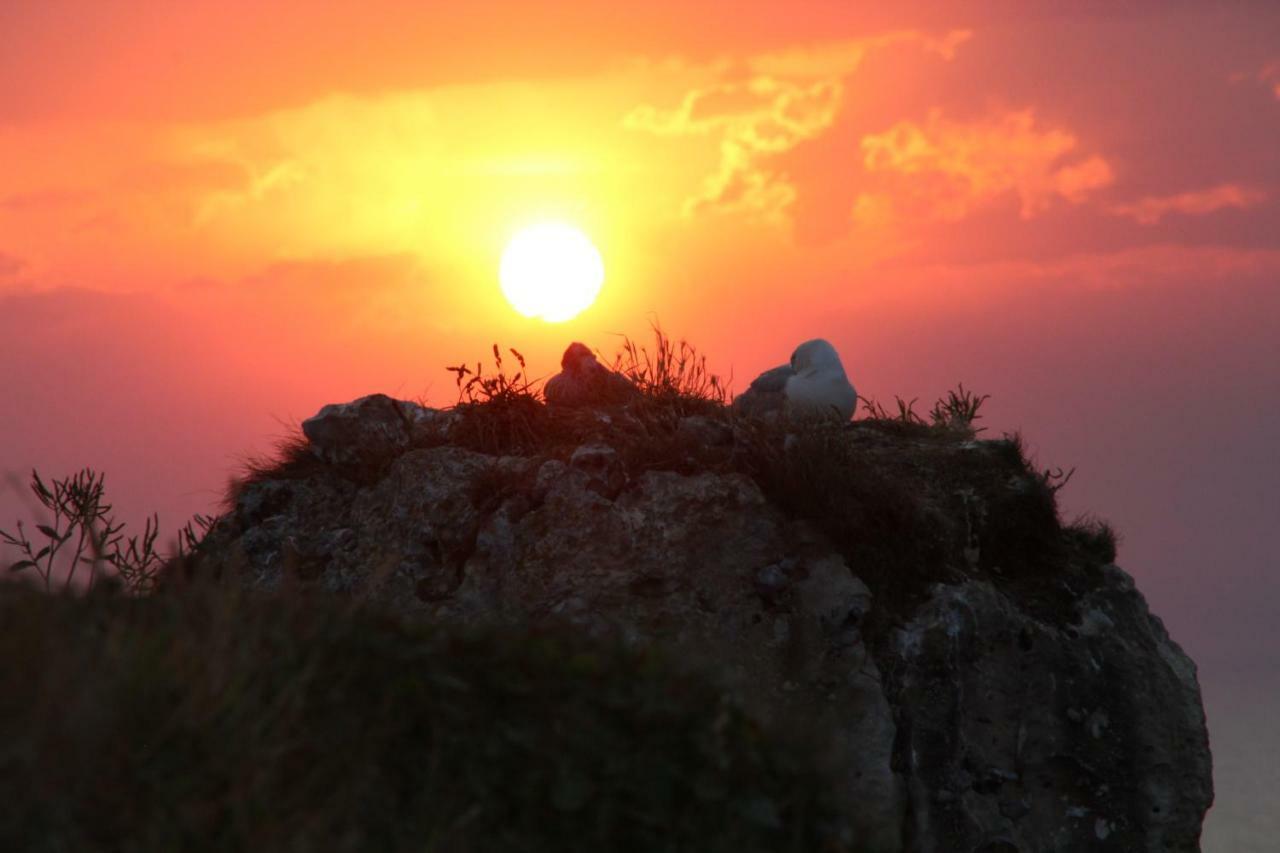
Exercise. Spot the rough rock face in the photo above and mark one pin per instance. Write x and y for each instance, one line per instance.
(1035, 713)
(1022, 735)
(372, 426)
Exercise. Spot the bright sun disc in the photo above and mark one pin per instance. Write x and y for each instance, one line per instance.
(551, 270)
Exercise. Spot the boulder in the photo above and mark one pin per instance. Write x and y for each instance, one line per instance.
(372, 427)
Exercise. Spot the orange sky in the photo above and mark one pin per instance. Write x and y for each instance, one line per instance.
(218, 216)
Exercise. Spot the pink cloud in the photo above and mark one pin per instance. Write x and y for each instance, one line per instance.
(752, 120)
(1268, 75)
(1150, 210)
(945, 169)
(1141, 266)
(770, 106)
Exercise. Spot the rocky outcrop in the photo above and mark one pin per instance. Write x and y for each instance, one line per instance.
(1021, 734)
(1011, 707)
(371, 427)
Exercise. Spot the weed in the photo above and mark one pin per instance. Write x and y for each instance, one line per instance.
(292, 459)
(956, 413)
(906, 411)
(671, 373)
(1055, 479)
(1095, 537)
(958, 410)
(498, 413)
(1052, 480)
(85, 534)
(477, 386)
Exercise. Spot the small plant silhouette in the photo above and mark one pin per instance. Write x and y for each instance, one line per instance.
(497, 411)
(955, 413)
(476, 386)
(906, 413)
(670, 371)
(85, 535)
(958, 410)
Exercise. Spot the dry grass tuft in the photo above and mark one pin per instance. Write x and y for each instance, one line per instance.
(292, 458)
(479, 386)
(954, 413)
(499, 413)
(671, 373)
(1094, 537)
(958, 411)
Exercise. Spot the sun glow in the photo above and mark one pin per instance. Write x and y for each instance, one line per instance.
(551, 270)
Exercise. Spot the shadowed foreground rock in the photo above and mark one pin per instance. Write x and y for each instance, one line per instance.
(1016, 697)
(215, 719)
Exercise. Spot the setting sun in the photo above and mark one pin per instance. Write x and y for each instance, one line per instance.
(552, 271)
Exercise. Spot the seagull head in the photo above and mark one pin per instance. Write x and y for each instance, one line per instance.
(816, 356)
(577, 357)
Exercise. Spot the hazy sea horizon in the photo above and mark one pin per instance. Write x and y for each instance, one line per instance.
(1243, 711)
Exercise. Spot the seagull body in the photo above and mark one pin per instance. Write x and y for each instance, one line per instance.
(584, 381)
(812, 384)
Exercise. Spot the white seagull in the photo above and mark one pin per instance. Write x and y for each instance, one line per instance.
(813, 384)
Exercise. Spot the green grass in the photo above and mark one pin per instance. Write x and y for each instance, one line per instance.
(205, 719)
